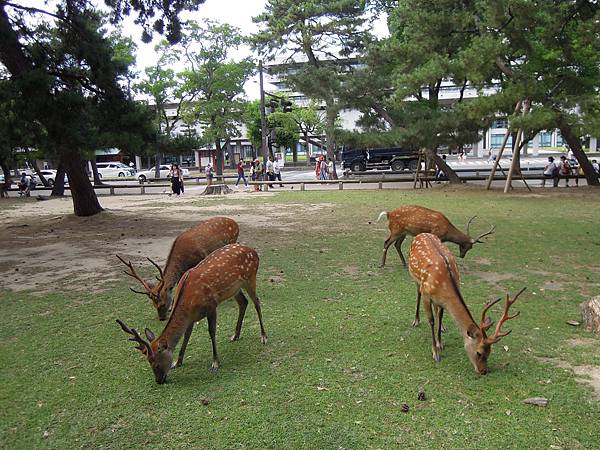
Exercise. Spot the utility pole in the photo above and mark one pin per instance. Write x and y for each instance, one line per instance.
(263, 118)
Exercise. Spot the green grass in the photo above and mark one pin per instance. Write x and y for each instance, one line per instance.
(341, 358)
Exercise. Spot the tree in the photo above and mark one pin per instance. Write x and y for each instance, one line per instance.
(309, 121)
(62, 66)
(216, 80)
(326, 33)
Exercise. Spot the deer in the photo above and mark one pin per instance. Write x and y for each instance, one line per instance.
(412, 220)
(188, 249)
(220, 276)
(435, 271)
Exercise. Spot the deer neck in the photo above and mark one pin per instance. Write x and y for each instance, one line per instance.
(460, 314)
(457, 236)
(178, 323)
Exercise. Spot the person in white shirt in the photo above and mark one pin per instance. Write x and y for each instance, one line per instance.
(596, 166)
(277, 171)
(270, 170)
(551, 171)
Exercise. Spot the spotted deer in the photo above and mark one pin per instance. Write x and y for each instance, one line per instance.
(412, 220)
(222, 275)
(434, 269)
(189, 248)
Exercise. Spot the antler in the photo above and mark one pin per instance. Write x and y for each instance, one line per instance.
(136, 338)
(162, 274)
(477, 239)
(133, 274)
(486, 322)
(497, 335)
(469, 224)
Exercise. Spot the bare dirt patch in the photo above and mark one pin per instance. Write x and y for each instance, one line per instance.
(492, 277)
(589, 375)
(484, 261)
(51, 248)
(552, 285)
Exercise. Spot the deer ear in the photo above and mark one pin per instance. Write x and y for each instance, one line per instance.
(473, 331)
(488, 323)
(149, 334)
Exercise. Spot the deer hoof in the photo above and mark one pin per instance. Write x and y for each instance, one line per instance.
(215, 366)
(176, 364)
(263, 339)
(415, 323)
(436, 356)
(235, 337)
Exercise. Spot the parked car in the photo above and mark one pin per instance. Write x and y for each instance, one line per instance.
(114, 169)
(397, 159)
(149, 174)
(50, 176)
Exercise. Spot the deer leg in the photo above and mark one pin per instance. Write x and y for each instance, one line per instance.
(440, 315)
(398, 245)
(211, 318)
(184, 344)
(428, 310)
(251, 290)
(389, 241)
(242, 304)
(417, 319)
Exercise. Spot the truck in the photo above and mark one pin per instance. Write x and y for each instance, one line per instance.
(394, 158)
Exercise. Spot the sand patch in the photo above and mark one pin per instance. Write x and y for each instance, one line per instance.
(589, 375)
(552, 286)
(484, 261)
(492, 277)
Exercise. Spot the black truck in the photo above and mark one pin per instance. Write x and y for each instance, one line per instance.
(395, 158)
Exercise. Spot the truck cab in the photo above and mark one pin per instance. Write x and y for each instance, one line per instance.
(395, 158)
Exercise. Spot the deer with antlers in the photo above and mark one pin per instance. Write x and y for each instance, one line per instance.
(435, 270)
(412, 220)
(222, 275)
(189, 248)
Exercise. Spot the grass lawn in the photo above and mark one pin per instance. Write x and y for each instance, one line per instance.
(342, 357)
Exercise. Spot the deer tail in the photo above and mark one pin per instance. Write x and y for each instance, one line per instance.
(383, 213)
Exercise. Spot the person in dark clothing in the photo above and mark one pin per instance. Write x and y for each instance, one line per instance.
(176, 179)
(240, 172)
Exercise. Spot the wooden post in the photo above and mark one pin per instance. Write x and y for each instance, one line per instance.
(143, 189)
(380, 185)
(516, 157)
(112, 190)
(341, 185)
(497, 161)
(301, 186)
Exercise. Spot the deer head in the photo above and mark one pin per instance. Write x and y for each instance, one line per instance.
(467, 245)
(477, 344)
(156, 351)
(156, 293)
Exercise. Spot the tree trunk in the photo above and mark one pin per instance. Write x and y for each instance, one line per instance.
(38, 172)
(58, 190)
(97, 179)
(306, 148)
(157, 166)
(451, 174)
(231, 154)
(7, 180)
(85, 201)
(588, 170)
(330, 116)
(220, 161)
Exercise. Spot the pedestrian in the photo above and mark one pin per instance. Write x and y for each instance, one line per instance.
(318, 167)
(564, 169)
(323, 169)
(175, 175)
(551, 171)
(240, 172)
(277, 171)
(270, 171)
(596, 166)
(438, 171)
(259, 168)
(208, 170)
(331, 169)
(23, 185)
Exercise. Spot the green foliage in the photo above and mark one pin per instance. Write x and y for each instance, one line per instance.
(251, 120)
(286, 129)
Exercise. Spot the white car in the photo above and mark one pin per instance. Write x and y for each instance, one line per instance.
(165, 169)
(50, 175)
(114, 169)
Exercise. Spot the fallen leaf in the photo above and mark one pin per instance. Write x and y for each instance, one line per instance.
(536, 401)
(573, 323)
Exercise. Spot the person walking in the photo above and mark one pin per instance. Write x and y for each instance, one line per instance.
(208, 170)
(240, 172)
(259, 169)
(277, 171)
(323, 169)
(270, 171)
(331, 169)
(175, 175)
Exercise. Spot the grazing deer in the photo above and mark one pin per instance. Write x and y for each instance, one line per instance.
(434, 269)
(222, 275)
(189, 248)
(412, 220)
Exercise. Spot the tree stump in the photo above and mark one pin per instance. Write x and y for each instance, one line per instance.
(216, 189)
(590, 311)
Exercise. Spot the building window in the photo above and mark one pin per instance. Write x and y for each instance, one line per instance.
(496, 141)
(545, 139)
(501, 122)
(559, 139)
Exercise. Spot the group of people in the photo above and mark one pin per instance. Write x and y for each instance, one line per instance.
(324, 169)
(270, 171)
(564, 169)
